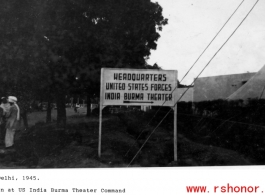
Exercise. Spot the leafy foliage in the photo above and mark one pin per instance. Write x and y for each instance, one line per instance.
(59, 46)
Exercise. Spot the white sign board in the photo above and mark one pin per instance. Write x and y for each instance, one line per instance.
(138, 87)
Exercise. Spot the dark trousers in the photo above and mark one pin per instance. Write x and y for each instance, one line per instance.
(2, 132)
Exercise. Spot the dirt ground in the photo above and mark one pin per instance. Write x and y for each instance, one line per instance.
(45, 146)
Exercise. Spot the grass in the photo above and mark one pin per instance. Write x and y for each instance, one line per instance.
(45, 147)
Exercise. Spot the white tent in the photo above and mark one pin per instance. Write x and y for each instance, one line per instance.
(254, 88)
(219, 87)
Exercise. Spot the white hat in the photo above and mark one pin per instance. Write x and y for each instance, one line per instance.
(12, 99)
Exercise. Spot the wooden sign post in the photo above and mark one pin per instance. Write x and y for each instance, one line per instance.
(175, 133)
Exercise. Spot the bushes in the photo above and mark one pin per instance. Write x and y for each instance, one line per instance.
(234, 125)
(249, 111)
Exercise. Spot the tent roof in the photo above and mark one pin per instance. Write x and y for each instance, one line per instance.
(219, 87)
(254, 88)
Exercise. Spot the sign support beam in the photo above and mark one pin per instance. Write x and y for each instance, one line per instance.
(100, 131)
(175, 134)
(100, 114)
(175, 123)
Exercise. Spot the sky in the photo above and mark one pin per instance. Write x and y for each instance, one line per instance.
(192, 24)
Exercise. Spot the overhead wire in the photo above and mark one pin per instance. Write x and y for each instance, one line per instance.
(201, 121)
(193, 82)
(219, 49)
(187, 73)
(212, 41)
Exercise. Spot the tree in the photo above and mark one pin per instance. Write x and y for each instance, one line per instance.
(22, 66)
(72, 40)
(123, 34)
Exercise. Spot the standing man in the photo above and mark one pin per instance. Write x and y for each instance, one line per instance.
(12, 121)
(5, 107)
